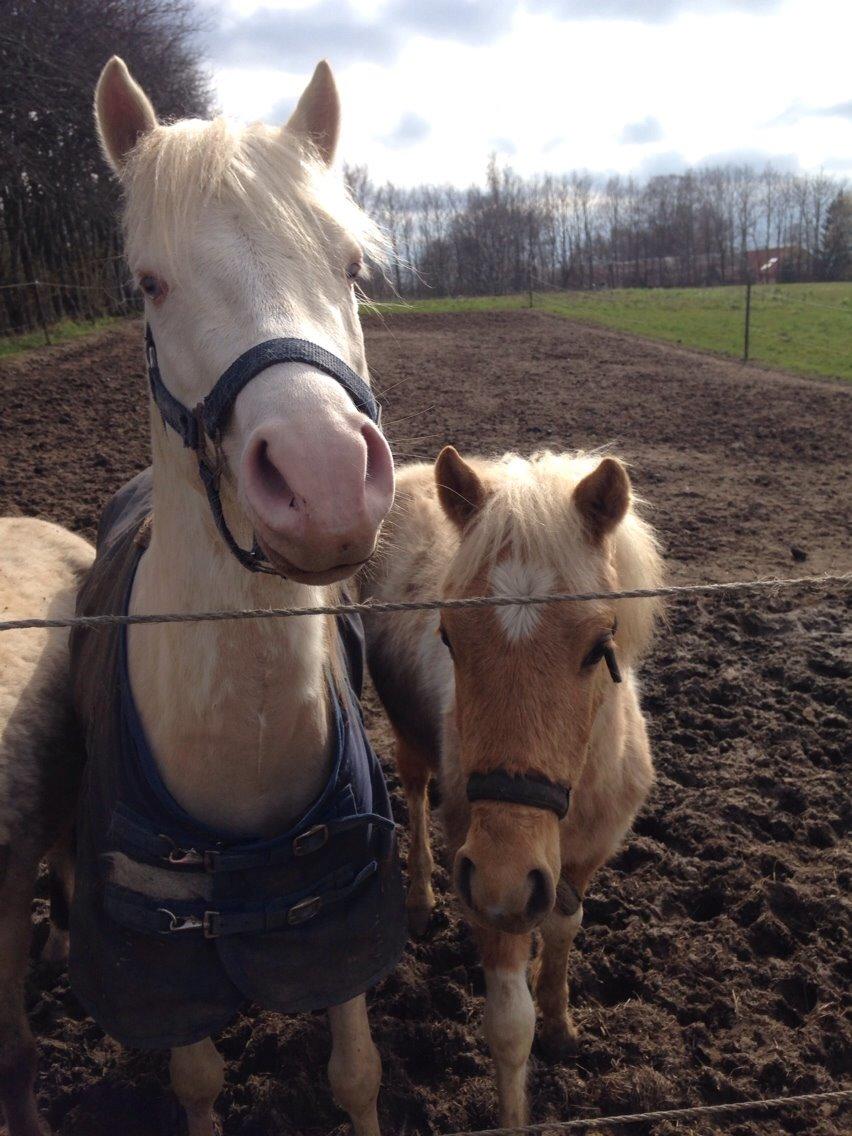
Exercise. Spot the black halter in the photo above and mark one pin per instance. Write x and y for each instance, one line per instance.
(202, 428)
(519, 789)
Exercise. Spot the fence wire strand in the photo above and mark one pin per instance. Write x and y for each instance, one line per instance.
(555, 1126)
(370, 607)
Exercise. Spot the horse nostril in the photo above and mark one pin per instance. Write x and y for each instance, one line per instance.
(464, 875)
(541, 895)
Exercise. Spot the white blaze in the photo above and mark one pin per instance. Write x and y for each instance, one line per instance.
(515, 578)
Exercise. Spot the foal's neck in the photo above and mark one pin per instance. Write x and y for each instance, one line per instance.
(236, 713)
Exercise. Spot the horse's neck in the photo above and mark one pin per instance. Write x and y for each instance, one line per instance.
(236, 713)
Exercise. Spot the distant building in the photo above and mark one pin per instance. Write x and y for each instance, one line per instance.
(771, 265)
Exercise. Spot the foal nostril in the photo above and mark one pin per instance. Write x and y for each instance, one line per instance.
(541, 897)
(464, 876)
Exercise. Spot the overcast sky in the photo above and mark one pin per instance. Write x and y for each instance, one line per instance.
(431, 87)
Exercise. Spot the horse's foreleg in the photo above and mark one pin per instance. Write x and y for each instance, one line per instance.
(414, 773)
(509, 1022)
(355, 1068)
(17, 1045)
(558, 1032)
(197, 1073)
(60, 862)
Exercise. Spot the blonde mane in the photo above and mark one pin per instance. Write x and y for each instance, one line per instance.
(266, 174)
(530, 511)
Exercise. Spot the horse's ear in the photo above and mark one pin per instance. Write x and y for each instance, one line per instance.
(123, 112)
(603, 497)
(460, 489)
(317, 113)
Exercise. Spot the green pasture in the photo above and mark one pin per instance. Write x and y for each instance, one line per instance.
(59, 333)
(805, 328)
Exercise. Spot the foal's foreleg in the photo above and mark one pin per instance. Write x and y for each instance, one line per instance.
(60, 863)
(414, 772)
(198, 1073)
(355, 1068)
(558, 1032)
(509, 1021)
(17, 1045)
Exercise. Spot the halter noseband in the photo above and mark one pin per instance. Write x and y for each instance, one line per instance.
(207, 422)
(519, 789)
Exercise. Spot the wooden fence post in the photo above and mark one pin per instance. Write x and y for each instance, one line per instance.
(40, 312)
(747, 320)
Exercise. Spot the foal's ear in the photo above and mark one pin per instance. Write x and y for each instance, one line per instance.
(603, 497)
(123, 112)
(317, 113)
(460, 489)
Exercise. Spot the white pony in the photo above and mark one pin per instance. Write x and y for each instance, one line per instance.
(236, 237)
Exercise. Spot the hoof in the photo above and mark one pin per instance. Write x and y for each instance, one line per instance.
(559, 1041)
(419, 919)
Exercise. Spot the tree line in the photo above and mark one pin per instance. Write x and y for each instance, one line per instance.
(58, 202)
(723, 224)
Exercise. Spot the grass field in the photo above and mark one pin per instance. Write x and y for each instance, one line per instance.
(806, 328)
(59, 333)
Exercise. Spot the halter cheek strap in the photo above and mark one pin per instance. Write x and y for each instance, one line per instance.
(519, 789)
(201, 429)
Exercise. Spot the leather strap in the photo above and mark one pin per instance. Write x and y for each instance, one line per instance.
(151, 916)
(519, 789)
(136, 840)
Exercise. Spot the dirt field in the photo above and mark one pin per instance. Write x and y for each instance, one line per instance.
(713, 964)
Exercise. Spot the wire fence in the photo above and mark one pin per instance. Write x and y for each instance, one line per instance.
(695, 1112)
(38, 309)
(371, 607)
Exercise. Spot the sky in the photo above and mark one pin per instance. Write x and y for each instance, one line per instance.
(430, 88)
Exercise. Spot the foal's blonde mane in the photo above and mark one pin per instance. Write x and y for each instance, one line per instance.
(530, 510)
(268, 175)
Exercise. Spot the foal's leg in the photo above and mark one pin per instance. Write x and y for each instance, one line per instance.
(17, 1045)
(60, 862)
(414, 771)
(355, 1068)
(509, 1018)
(558, 1032)
(197, 1073)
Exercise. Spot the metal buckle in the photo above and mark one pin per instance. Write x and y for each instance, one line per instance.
(311, 841)
(185, 858)
(182, 922)
(210, 925)
(304, 910)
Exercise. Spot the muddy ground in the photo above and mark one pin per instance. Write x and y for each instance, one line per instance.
(713, 964)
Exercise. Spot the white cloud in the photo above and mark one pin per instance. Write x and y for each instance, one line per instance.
(551, 86)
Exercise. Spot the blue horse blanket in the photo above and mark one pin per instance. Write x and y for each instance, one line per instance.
(303, 921)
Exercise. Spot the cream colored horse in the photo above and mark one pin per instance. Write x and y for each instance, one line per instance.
(41, 567)
(237, 236)
(524, 690)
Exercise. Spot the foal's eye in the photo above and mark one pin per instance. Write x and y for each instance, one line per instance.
(445, 639)
(154, 288)
(353, 270)
(603, 647)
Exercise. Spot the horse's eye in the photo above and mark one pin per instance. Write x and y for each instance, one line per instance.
(445, 639)
(154, 288)
(354, 269)
(605, 649)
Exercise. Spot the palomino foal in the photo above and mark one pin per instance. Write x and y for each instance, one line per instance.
(241, 748)
(517, 710)
(41, 759)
